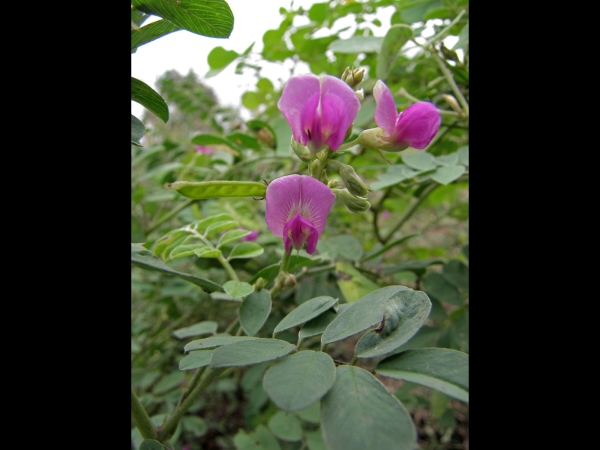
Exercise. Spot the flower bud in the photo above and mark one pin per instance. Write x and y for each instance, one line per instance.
(352, 181)
(353, 77)
(371, 139)
(354, 204)
(334, 184)
(360, 94)
(301, 151)
(289, 282)
(453, 103)
(261, 283)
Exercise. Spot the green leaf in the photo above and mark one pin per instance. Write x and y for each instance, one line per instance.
(151, 32)
(211, 139)
(213, 342)
(168, 382)
(353, 284)
(312, 413)
(212, 18)
(204, 327)
(264, 132)
(137, 130)
(238, 288)
(447, 160)
(220, 226)
(261, 439)
(201, 225)
(438, 286)
(344, 245)
(442, 369)
(145, 259)
(305, 312)
(387, 247)
(357, 44)
(447, 174)
(463, 38)
(417, 266)
(232, 235)
(219, 58)
(248, 352)
(252, 100)
(254, 311)
(420, 160)
(393, 175)
(314, 440)
(151, 444)
(298, 380)
(395, 38)
(463, 155)
(206, 252)
(361, 315)
(318, 12)
(286, 426)
(457, 273)
(244, 141)
(195, 425)
(316, 326)
(194, 360)
(358, 413)
(217, 189)
(149, 98)
(186, 250)
(405, 312)
(245, 250)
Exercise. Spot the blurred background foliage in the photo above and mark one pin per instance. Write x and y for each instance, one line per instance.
(414, 234)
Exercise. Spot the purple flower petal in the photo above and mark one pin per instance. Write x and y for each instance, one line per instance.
(282, 196)
(297, 94)
(296, 232)
(205, 150)
(316, 200)
(296, 209)
(417, 125)
(339, 107)
(386, 114)
(251, 237)
(319, 110)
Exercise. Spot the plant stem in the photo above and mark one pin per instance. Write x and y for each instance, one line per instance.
(451, 82)
(169, 215)
(141, 419)
(167, 430)
(411, 210)
(283, 267)
(348, 145)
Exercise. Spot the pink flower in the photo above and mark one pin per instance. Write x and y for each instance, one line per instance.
(414, 127)
(251, 237)
(205, 150)
(385, 214)
(319, 110)
(296, 209)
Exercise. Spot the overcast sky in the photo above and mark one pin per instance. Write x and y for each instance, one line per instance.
(183, 50)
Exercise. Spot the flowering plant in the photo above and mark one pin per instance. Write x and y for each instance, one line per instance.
(305, 286)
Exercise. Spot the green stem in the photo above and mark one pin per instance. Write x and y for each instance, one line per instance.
(453, 85)
(411, 210)
(167, 430)
(141, 419)
(283, 267)
(169, 215)
(447, 29)
(348, 145)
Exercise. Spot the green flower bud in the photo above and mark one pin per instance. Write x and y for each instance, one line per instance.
(301, 151)
(261, 283)
(370, 139)
(334, 184)
(353, 77)
(354, 204)
(352, 181)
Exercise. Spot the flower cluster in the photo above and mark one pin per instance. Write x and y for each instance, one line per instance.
(320, 112)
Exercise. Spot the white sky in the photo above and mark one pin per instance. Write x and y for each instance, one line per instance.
(183, 50)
